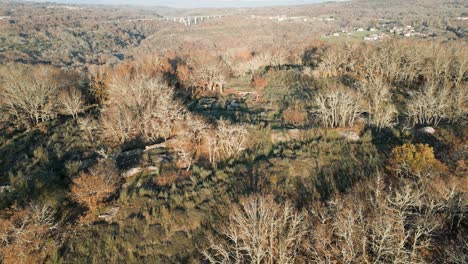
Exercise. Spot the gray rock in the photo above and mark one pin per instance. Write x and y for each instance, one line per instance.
(234, 105)
(349, 135)
(427, 130)
(5, 189)
(130, 153)
(132, 172)
(206, 103)
(286, 135)
(110, 214)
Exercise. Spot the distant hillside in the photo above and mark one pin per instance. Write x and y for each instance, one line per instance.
(194, 4)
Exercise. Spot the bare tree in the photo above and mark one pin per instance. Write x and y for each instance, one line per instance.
(337, 107)
(335, 61)
(377, 224)
(459, 104)
(142, 107)
(260, 61)
(208, 73)
(259, 231)
(29, 95)
(197, 128)
(72, 102)
(185, 147)
(212, 144)
(377, 100)
(232, 138)
(89, 126)
(429, 106)
(226, 140)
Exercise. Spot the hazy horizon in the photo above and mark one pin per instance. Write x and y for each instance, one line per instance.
(192, 4)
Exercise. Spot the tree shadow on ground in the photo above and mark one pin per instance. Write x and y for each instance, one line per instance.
(38, 163)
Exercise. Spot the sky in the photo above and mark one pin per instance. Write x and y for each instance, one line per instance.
(191, 3)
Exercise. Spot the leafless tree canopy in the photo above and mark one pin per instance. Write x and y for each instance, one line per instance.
(334, 132)
(337, 107)
(377, 101)
(29, 95)
(72, 102)
(259, 231)
(142, 107)
(429, 106)
(225, 141)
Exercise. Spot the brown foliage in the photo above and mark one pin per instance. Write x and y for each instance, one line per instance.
(98, 83)
(296, 116)
(415, 161)
(184, 74)
(25, 235)
(167, 178)
(169, 175)
(95, 186)
(259, 83)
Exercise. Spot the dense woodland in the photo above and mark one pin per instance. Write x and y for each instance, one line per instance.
(126, 139)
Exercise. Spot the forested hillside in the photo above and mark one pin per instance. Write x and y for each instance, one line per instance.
(327, 133)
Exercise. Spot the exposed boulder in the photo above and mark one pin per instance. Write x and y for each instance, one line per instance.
(427, 130)
(206, 103)
(135, 171)
(109, 214)
(132, 172)
(234, 105)
(286, 135)
(5, 189)
(349, 135)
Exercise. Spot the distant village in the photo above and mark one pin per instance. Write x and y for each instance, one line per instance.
(378, 34)
(281, 18)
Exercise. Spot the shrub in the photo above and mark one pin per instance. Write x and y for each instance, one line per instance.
(95, 186)
(25, 234)
(287, 87)
(296, 116)
(415, 160)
